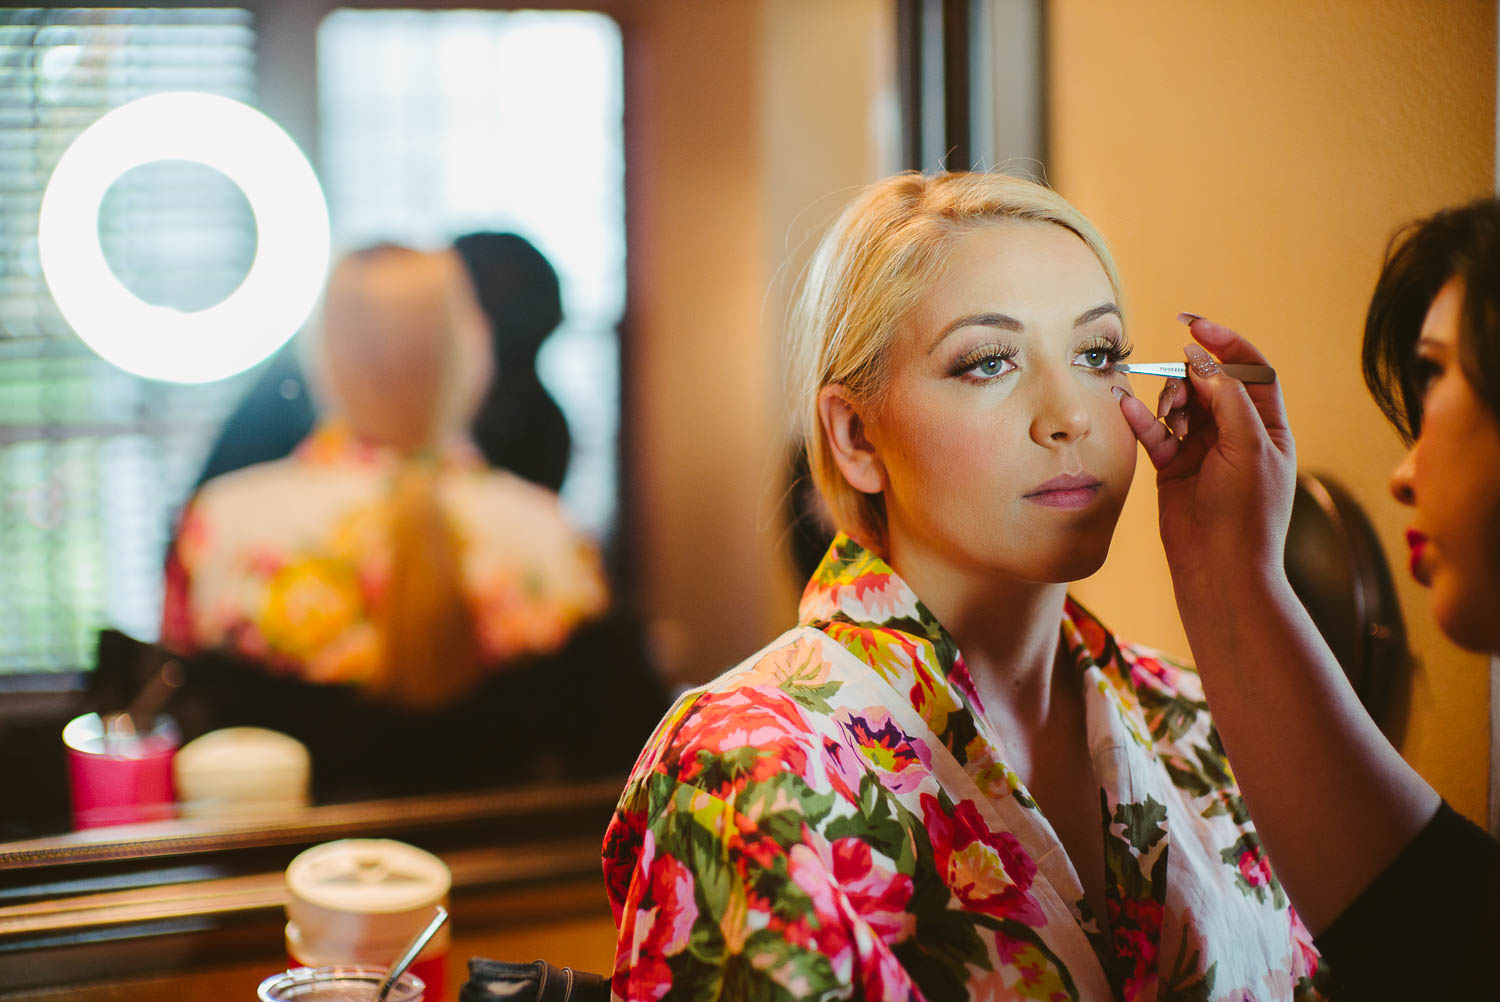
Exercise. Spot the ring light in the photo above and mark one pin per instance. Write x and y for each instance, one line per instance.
(292, 238)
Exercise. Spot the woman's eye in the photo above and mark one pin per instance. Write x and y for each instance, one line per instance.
(1426, 372)
(1095, 358)
(990, 366)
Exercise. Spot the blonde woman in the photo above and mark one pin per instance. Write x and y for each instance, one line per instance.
(383, 558)
(950, 780)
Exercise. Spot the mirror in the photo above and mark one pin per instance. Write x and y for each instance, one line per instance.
(1338, 570)
(429, 124)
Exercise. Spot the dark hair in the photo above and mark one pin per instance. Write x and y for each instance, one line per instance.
(517, 289)
(1423, 256)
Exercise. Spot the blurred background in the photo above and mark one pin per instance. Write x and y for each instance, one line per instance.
(675, 161)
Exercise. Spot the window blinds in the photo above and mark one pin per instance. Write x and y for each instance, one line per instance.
(94, 461)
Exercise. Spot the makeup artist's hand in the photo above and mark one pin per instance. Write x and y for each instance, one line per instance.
(1225, 460)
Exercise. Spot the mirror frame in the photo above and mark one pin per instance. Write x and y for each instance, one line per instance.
(158, 897)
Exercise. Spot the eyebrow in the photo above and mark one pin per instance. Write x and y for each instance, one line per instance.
(1006, 323)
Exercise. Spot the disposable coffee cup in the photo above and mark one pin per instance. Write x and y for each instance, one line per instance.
(118, 779)
(338, 984)
(361, 901)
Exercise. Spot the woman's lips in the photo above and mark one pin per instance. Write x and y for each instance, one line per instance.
(1071, 490)
(1417, 542)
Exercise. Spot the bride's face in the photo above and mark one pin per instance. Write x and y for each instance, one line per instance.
(1000, 444)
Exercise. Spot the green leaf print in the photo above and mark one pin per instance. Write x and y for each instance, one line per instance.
(1231, 804)
(1185, 983)
(939, 955)
(1144, 824)
(706, 941)
(813, 698)
(1215, 767)
(802, 687)
(776, 969)
(1185, 775)
(782, 805)
(878, 824)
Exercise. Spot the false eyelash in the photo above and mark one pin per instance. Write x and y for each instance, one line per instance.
(1118, 348)
(983, 353)
(1115, 348)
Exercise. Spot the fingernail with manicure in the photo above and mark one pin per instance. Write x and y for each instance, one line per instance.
(1202, 362)
(1118, 391)
(1168, 394)
(1188, 318)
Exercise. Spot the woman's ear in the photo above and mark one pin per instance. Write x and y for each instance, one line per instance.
(852, 449)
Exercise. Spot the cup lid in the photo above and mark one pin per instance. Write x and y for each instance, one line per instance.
(241, 760)
(367, 875)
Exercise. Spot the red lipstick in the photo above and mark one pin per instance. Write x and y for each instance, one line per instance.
(1417, 542)
(1071, 490)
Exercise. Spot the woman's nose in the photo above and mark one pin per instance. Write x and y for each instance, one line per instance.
(1061, 415)
(1401, 479)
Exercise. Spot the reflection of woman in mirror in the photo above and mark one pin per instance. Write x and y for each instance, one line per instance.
(1403, 892)
(951, 780)
(383, 559)
(517, 426)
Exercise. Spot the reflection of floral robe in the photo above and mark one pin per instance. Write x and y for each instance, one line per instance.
(286, 563)
(834, 819)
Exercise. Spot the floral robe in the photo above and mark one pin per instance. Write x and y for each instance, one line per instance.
(835, 819)
(286, 563)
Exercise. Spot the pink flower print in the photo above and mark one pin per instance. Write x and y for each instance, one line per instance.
(901, 760)
(878, 895)
(961, 680)
(987, 871)
(1024, 972)
(874, 597)
(883, 977)
(768, 722)
(825, 927)
(867, 591)
(849, 888)
(661, 923)
(843, 770)
(1135, 933)
(1254, 866)
(1155, 673)
(627, 829)
(1305, 956)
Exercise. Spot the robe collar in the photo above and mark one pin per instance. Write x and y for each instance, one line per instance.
(860, 600)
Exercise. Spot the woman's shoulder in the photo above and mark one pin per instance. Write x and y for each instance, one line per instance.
(754, 721)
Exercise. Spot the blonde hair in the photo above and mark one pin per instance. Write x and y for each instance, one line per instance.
(403, 352)
(865, 278)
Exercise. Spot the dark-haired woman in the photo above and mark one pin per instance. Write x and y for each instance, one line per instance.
(1402, 893)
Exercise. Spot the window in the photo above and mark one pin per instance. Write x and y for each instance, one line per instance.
(437, 123)
(93, 460)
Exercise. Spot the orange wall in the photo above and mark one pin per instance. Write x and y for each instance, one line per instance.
(1248, 161)
(745, 114)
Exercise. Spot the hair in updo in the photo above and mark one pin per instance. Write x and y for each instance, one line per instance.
(867, 275)
(1423, 256)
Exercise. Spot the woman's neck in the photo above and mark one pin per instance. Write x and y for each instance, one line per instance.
(1007, 629)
